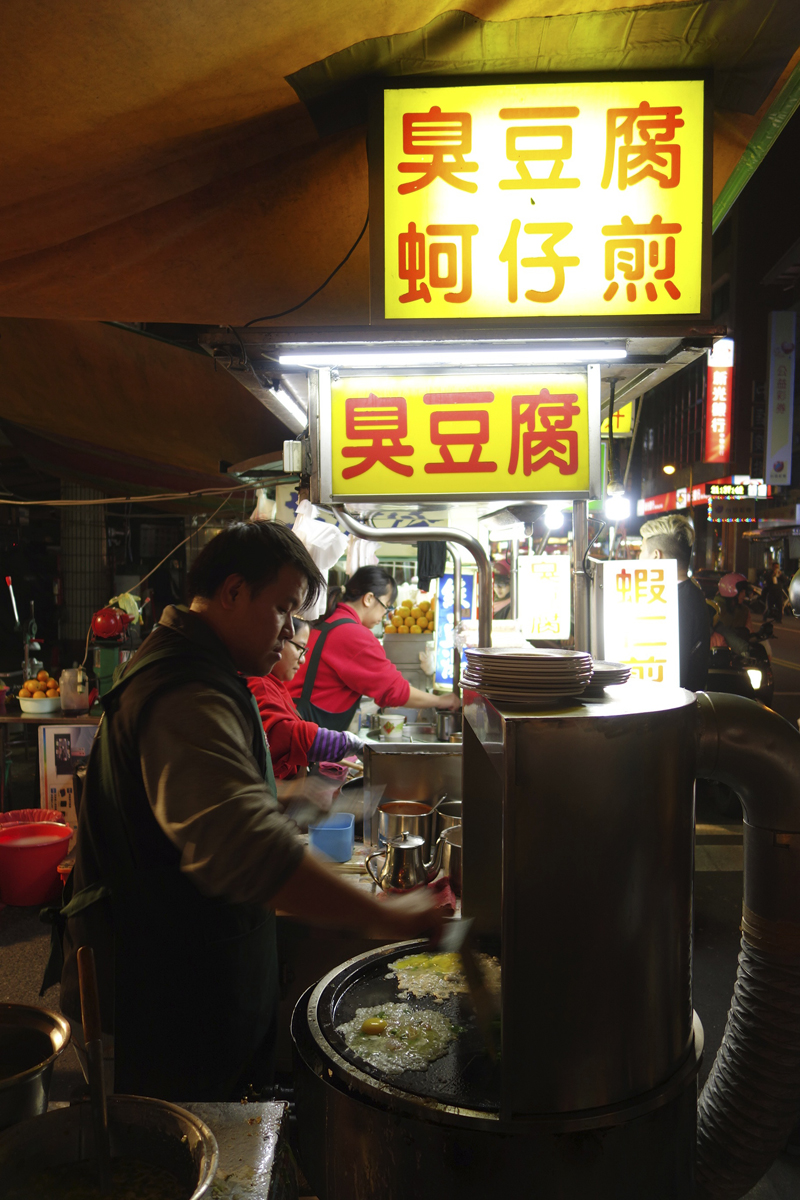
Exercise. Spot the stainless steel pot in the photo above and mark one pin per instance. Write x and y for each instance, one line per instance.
(151, 1130)
(31, 1040)
(450, 843)
(396, 817)
(447, 723)
(448, 814)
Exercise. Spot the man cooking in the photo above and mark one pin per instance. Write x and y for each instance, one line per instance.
(183, 855)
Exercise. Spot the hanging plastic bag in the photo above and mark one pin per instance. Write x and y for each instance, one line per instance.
(264, 509)
(325, 543)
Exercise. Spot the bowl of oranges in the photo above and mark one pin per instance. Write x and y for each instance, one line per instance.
(409, 617)
(40, 695)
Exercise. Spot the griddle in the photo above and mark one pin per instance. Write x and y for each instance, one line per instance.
(464, 1077)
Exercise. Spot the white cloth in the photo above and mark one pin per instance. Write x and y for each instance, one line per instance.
(360, 553)
(325, 543)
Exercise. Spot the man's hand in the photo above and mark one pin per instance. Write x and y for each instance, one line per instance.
(451, 701)
(314, 790)
(411, 916)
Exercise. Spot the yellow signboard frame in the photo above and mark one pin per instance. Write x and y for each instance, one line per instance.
(415, 447)
(490, 311)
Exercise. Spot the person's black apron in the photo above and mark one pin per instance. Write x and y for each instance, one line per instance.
(311, 712)
(195, 982)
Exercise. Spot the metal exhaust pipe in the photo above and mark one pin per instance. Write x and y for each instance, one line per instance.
(751, 1100)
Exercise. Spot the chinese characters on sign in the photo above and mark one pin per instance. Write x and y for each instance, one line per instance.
(718, 402)
(780, 396)
(542, 199)
(545, 596)
(640, 619)
(460, 435)
(445, 603)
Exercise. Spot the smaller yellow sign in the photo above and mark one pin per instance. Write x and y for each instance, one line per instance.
(640, 619)
(545, 596)
(458, 436)
(623, 421)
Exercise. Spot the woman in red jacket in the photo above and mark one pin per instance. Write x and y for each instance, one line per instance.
(346, 661)
(294, 743)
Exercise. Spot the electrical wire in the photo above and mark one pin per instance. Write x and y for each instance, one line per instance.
(165, 496)
(183, 543)
(316, 292)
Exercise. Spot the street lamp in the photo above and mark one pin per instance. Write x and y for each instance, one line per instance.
(669, 469)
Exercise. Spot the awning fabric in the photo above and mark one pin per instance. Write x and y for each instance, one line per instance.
(88, 401)
(206, 162)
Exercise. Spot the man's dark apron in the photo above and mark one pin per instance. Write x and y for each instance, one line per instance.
(195, 978)
(311, 712)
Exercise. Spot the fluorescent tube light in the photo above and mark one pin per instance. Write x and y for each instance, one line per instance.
(297, 417)
(464, 357)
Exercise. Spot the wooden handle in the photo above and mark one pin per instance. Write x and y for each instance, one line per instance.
(90, 999)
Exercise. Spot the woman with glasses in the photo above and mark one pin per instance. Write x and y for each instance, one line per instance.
(294, 743)
(346, 661)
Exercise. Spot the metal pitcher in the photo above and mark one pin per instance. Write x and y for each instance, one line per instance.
(404, 867)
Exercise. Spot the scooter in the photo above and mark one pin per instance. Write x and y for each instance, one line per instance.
(744, 672)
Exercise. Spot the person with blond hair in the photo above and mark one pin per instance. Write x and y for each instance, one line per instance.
(672, 536)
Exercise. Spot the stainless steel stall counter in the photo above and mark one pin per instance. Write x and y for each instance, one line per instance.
(416, 768)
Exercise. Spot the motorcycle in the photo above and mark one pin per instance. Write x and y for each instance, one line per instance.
(747, 671)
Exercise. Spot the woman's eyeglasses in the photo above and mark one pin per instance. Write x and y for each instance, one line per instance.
(298, 646)
(387, 608)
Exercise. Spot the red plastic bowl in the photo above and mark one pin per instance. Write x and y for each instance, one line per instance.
(29, 858)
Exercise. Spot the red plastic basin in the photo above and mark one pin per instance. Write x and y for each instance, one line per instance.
(29, 858)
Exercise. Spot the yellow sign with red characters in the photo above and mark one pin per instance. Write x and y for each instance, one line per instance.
(538, 199)
(459, 436)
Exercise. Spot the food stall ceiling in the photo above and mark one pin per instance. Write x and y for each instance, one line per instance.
(165, 168)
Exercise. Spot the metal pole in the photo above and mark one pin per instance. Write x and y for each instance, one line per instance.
(514, 578)
(456, 614)
(441, 533)
(580, 581)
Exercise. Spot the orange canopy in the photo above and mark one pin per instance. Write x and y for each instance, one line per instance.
(160, 165)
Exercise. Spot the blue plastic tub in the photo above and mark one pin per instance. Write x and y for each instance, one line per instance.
(334, 837)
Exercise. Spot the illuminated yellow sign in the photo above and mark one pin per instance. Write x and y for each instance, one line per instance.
(458, 436)
(623, 420)
(543, 199)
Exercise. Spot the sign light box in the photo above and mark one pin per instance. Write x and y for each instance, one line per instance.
(517, 198)
(459, 437)
(640, 619)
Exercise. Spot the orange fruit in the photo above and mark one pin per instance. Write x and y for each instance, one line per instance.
(39, 696)
(408, 622)
(42, 675)
(422, 622)
(416, 629)
(51, 683)
(397, 620)
(32, 685)
(389, 628)
(425, 606)
(51, 693)
(24, 694)
(403, 629)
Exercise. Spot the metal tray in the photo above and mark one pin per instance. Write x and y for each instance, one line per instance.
(463, 1077)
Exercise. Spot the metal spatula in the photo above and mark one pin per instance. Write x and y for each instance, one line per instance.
(456, 939)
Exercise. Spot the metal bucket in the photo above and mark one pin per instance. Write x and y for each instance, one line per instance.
(451, 856)
(31, 1040)
(448, 814)
(400, 816)
(447, 724)
(151, 1130)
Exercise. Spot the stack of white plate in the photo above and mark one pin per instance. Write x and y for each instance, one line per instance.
(607, 674)
(516, 676)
